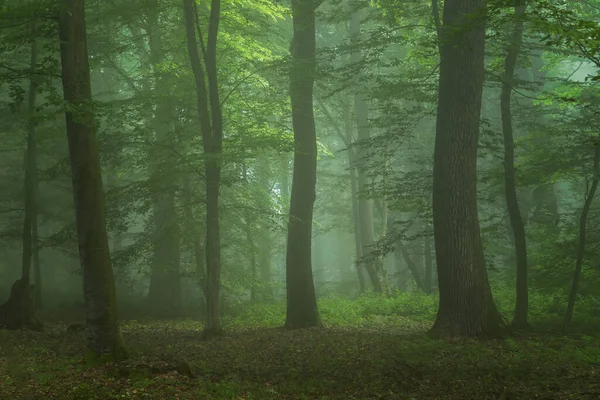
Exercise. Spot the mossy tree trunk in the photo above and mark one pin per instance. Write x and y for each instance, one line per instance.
(104, 341)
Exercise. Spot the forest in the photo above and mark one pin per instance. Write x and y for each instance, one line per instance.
(303, 199)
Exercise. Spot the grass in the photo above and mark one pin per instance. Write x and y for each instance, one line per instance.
(373, 348)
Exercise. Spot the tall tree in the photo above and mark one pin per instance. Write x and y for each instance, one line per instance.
(302, 308)
(164, 293)
(589, 197)
(510, 190)
(211, 126)
(103, 335)
(370, 260)
(466, 306)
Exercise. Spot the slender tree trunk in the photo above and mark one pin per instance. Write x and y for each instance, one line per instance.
(195, 229)
(466, 306)
(103, 335)
(347, 137)
(412, 266)
(211, 126)
(427, 279)
(365, 205)
(512, 202)
(264, 234)
(164, 294)
(589, 197)
(32, 179)
(302, 309)
(358, 250)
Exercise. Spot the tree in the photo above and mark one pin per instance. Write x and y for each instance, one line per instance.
(211, 126)
(20, 308)
(103, 335)
(589, 197)
(466, 306)
(164, 293)
(302, 308)
(510, 190)
(370, 259)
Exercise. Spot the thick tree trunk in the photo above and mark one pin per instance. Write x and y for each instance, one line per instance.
(103, 336)
(512, 202)
(302, 309)
(211, 126)
(466, 306)
(589, 197)
(365, 205)
(164, 294)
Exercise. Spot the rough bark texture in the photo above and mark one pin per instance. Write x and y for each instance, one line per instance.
(510, 190)
(589, 197)
(302, 309)
(365, 205)
(211, 126)
(103, 336)
(164, 294)
(466, 306)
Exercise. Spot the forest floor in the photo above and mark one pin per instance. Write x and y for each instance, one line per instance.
(388, 358)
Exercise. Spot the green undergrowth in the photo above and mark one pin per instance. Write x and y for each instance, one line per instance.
(546, 311)
(378, 361)
(370, 348)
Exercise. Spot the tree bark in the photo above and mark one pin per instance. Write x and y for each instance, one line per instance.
(211, 126)
(302, 311)
(589, 197)
(466, 306)
(510, 190)
(104, 339)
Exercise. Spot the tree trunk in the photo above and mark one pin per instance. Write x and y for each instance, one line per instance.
(427, 278)
(211, 126)
(365, 205)
(264, 233)
(589, 197)
(510, 190)
(164, 294)
(466, 306)
(358, 254)
(31, 180)
(302, 309)
(104, 339)
(412, 266)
